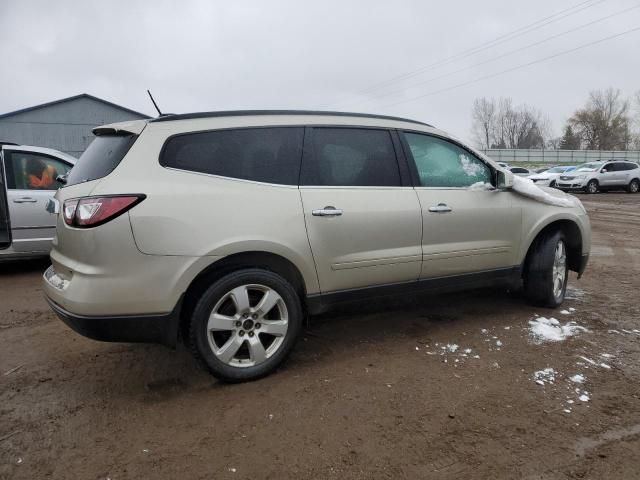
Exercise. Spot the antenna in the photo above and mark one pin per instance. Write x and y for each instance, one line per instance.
(154, 103)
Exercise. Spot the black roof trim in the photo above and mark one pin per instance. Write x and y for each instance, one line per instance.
(238, 113)
(75, 97)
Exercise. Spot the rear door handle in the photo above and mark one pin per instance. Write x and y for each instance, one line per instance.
(25, 200)
(327, 212)
(440, 208)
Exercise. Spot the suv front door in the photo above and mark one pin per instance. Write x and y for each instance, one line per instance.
(5, 227)
(467, 225)
(31, 182)
(362, 215)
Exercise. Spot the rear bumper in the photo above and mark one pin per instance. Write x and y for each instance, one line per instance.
(159, 328)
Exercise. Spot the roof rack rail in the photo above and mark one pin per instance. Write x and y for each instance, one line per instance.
(237, 113)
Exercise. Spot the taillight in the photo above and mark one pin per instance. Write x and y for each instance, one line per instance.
(93, 211)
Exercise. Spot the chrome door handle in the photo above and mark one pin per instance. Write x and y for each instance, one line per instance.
(327, 212)
(25, 200)
(440, 208)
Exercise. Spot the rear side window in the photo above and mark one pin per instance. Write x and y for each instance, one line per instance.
(444, 164)
(101, 158)
(33, 171)
(269, 155)
(351, 157)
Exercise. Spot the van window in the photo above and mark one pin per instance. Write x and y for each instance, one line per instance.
(441, 163)
(33, 171)
(351, 157)
(269, 155)
(101, 157)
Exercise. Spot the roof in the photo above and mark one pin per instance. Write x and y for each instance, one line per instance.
(68, 99)
(237, 113)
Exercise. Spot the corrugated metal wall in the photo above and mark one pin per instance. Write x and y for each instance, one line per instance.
(509, 155)
(65, 126)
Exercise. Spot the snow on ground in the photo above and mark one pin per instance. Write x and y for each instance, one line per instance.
(578, 378)
(544, 329)
(542, 377)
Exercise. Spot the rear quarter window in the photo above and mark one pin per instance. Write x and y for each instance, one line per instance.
(103, 155)
(268, 155)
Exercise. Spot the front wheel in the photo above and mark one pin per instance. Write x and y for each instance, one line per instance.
(245, 325)
(546, 272)
(552, 184)
(592, 186)
(634, 186)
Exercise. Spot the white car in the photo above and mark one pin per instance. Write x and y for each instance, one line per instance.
(601, 176)
(28, 179)
(520, 171)
(549, 178)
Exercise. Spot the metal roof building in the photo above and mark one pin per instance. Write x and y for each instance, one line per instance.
(64, 124)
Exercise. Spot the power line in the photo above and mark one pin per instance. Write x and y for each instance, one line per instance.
(484, 46)
(511, 52)
(517, 67)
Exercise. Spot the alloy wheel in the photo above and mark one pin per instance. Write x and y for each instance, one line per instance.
(247, 325)
(559, 271)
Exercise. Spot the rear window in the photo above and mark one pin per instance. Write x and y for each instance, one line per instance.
(101, 158)
(268, 155)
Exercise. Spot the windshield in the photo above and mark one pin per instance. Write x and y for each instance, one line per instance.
(101, 158)
(556, 170)
(590, 167)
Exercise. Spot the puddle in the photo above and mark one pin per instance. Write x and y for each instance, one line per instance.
(583, 445)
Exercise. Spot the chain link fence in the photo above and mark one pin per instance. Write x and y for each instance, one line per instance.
(511, 155)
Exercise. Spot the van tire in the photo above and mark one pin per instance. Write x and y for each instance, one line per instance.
(202, 341)
(540, 277)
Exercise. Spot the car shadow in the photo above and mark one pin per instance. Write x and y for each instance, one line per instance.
(22, 266)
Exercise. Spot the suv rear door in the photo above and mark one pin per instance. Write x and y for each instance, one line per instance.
(362, 215)
(466, 227)
(31, 182)
(5, 226)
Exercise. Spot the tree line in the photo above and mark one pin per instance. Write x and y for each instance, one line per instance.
(605, 122)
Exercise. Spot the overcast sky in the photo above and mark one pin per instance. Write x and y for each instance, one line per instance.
(220, 55)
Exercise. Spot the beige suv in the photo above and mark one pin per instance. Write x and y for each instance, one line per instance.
(225, 229)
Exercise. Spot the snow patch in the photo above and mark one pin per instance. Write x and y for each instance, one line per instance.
(551, 330)
(481, 186)
(548, 375)
(527, 188)
(578, 378)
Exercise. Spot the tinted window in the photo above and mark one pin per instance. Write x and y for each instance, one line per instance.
(101, 158)
(351, 157)
(443, 164)
(33, 171)
(632, 166)
(270, 155)
(519, 170)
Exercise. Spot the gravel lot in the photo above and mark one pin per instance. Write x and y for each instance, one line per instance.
(375, 392)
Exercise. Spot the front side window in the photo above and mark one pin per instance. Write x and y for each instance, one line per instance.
(443, 164)
(351, 157)
(33, 171)
(269, 155)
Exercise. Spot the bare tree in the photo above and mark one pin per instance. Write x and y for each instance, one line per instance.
(604, 122)
(500, 124)
(483, 118)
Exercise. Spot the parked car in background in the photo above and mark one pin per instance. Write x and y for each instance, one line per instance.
(549, 177)
(222, 230)
(601, 176)
(504, 165)
(520, 171)
(543, 169)
(28, 179)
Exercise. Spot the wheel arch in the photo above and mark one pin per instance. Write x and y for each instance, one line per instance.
(573, 237)
(238, 261)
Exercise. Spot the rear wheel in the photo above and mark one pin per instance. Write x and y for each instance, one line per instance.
(634, 186)
(245, 325)
(592, 186)
(546, 273)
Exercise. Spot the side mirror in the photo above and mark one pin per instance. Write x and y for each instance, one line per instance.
(504, 180)
(604, 170)
(62, 179)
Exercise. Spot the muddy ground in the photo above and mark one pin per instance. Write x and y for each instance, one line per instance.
(369, 392)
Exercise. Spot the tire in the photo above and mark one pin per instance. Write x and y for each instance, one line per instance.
(592, 187)
(634, 186)
(546, 272)
(552, 184)
(243, 343)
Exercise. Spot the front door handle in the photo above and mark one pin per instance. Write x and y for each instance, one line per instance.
(327, 212)
(440, 208)
(25, 200)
